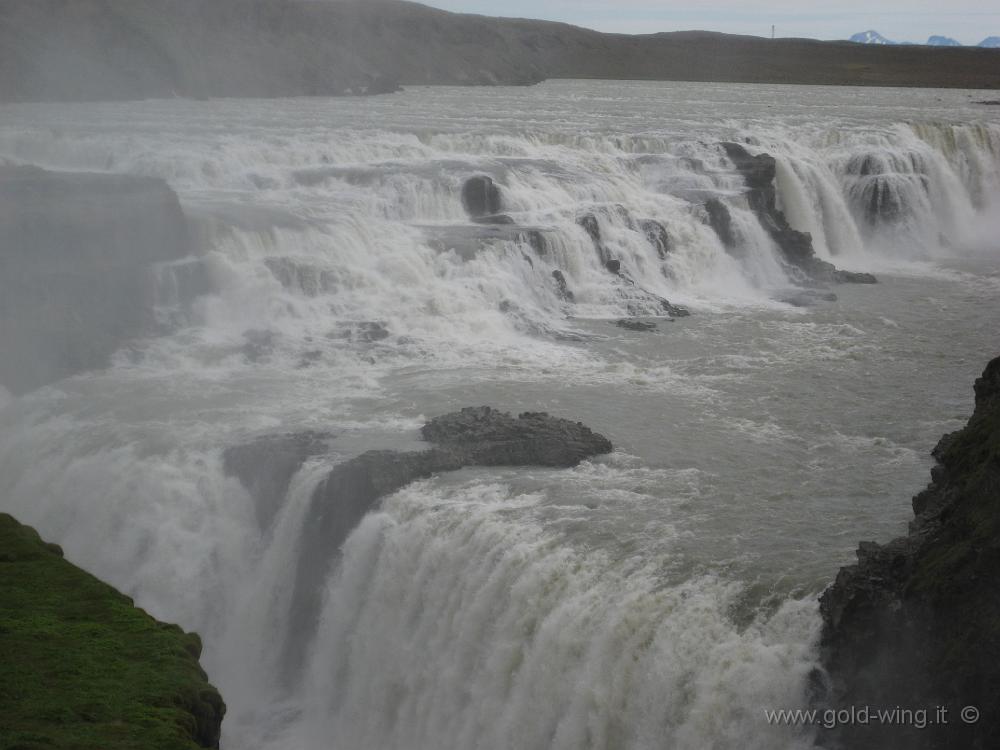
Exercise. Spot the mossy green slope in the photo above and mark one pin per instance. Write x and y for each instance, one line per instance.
(82, 668)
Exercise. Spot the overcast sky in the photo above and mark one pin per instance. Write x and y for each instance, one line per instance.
(968, 21)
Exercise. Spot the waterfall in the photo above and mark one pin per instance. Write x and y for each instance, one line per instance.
(445, 629)
(340, 285)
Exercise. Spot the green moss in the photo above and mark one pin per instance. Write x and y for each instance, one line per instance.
(975, 449)
(971, 532)
(82, 668)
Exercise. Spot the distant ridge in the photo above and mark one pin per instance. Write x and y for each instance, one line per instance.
(873, 37)
(57, 50)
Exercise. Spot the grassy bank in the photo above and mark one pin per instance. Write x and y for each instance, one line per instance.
(81, 667)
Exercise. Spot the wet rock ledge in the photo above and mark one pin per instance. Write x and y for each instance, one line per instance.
(916, 623)
(474, 436)
(81, 667)
(759, 173)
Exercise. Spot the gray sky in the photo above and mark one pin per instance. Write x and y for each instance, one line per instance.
(969, 21)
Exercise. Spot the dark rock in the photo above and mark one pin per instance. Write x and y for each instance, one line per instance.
(467, 241)
(624, 215)
(489, 437)
(805, 297)
(853, 277)
(535, 239)
(631, 324)
(77, 259)
(481, 197)
(989, 102)
(562, 288)
(593, 228)
(758, 171)
(494, 219)
(656, 235)
(796, 247)
(721, 220)
(265, 467)
(590, 226)
(916, 622)
(474, 436)
(641, 302)
(674, 311)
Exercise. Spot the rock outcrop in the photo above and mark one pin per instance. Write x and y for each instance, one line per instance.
(562, 288)
(265, 467)
(83, 668)
(472, 437)
(721, 220)
(486, 437)
(637, 300)
(482, 199)
(796, 247)
(657, 236)
(916, 623)
(76, 268)
(633, 324)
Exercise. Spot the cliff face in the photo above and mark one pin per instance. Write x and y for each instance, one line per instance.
(81, 667)
(76, 258)
(127, 49)
(916, 623)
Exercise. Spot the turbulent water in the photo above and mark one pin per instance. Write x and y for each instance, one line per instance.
(663, 596)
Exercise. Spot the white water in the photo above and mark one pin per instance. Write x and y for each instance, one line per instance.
(661, 597)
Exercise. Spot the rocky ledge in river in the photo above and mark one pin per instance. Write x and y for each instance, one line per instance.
(484, 202)
(916, 623)
(475, 436)
(796, 247)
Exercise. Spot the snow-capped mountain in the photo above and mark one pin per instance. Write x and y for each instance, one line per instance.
(870, 37)
(873, 37)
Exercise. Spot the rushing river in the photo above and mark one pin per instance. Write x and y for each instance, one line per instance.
(660, 597)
